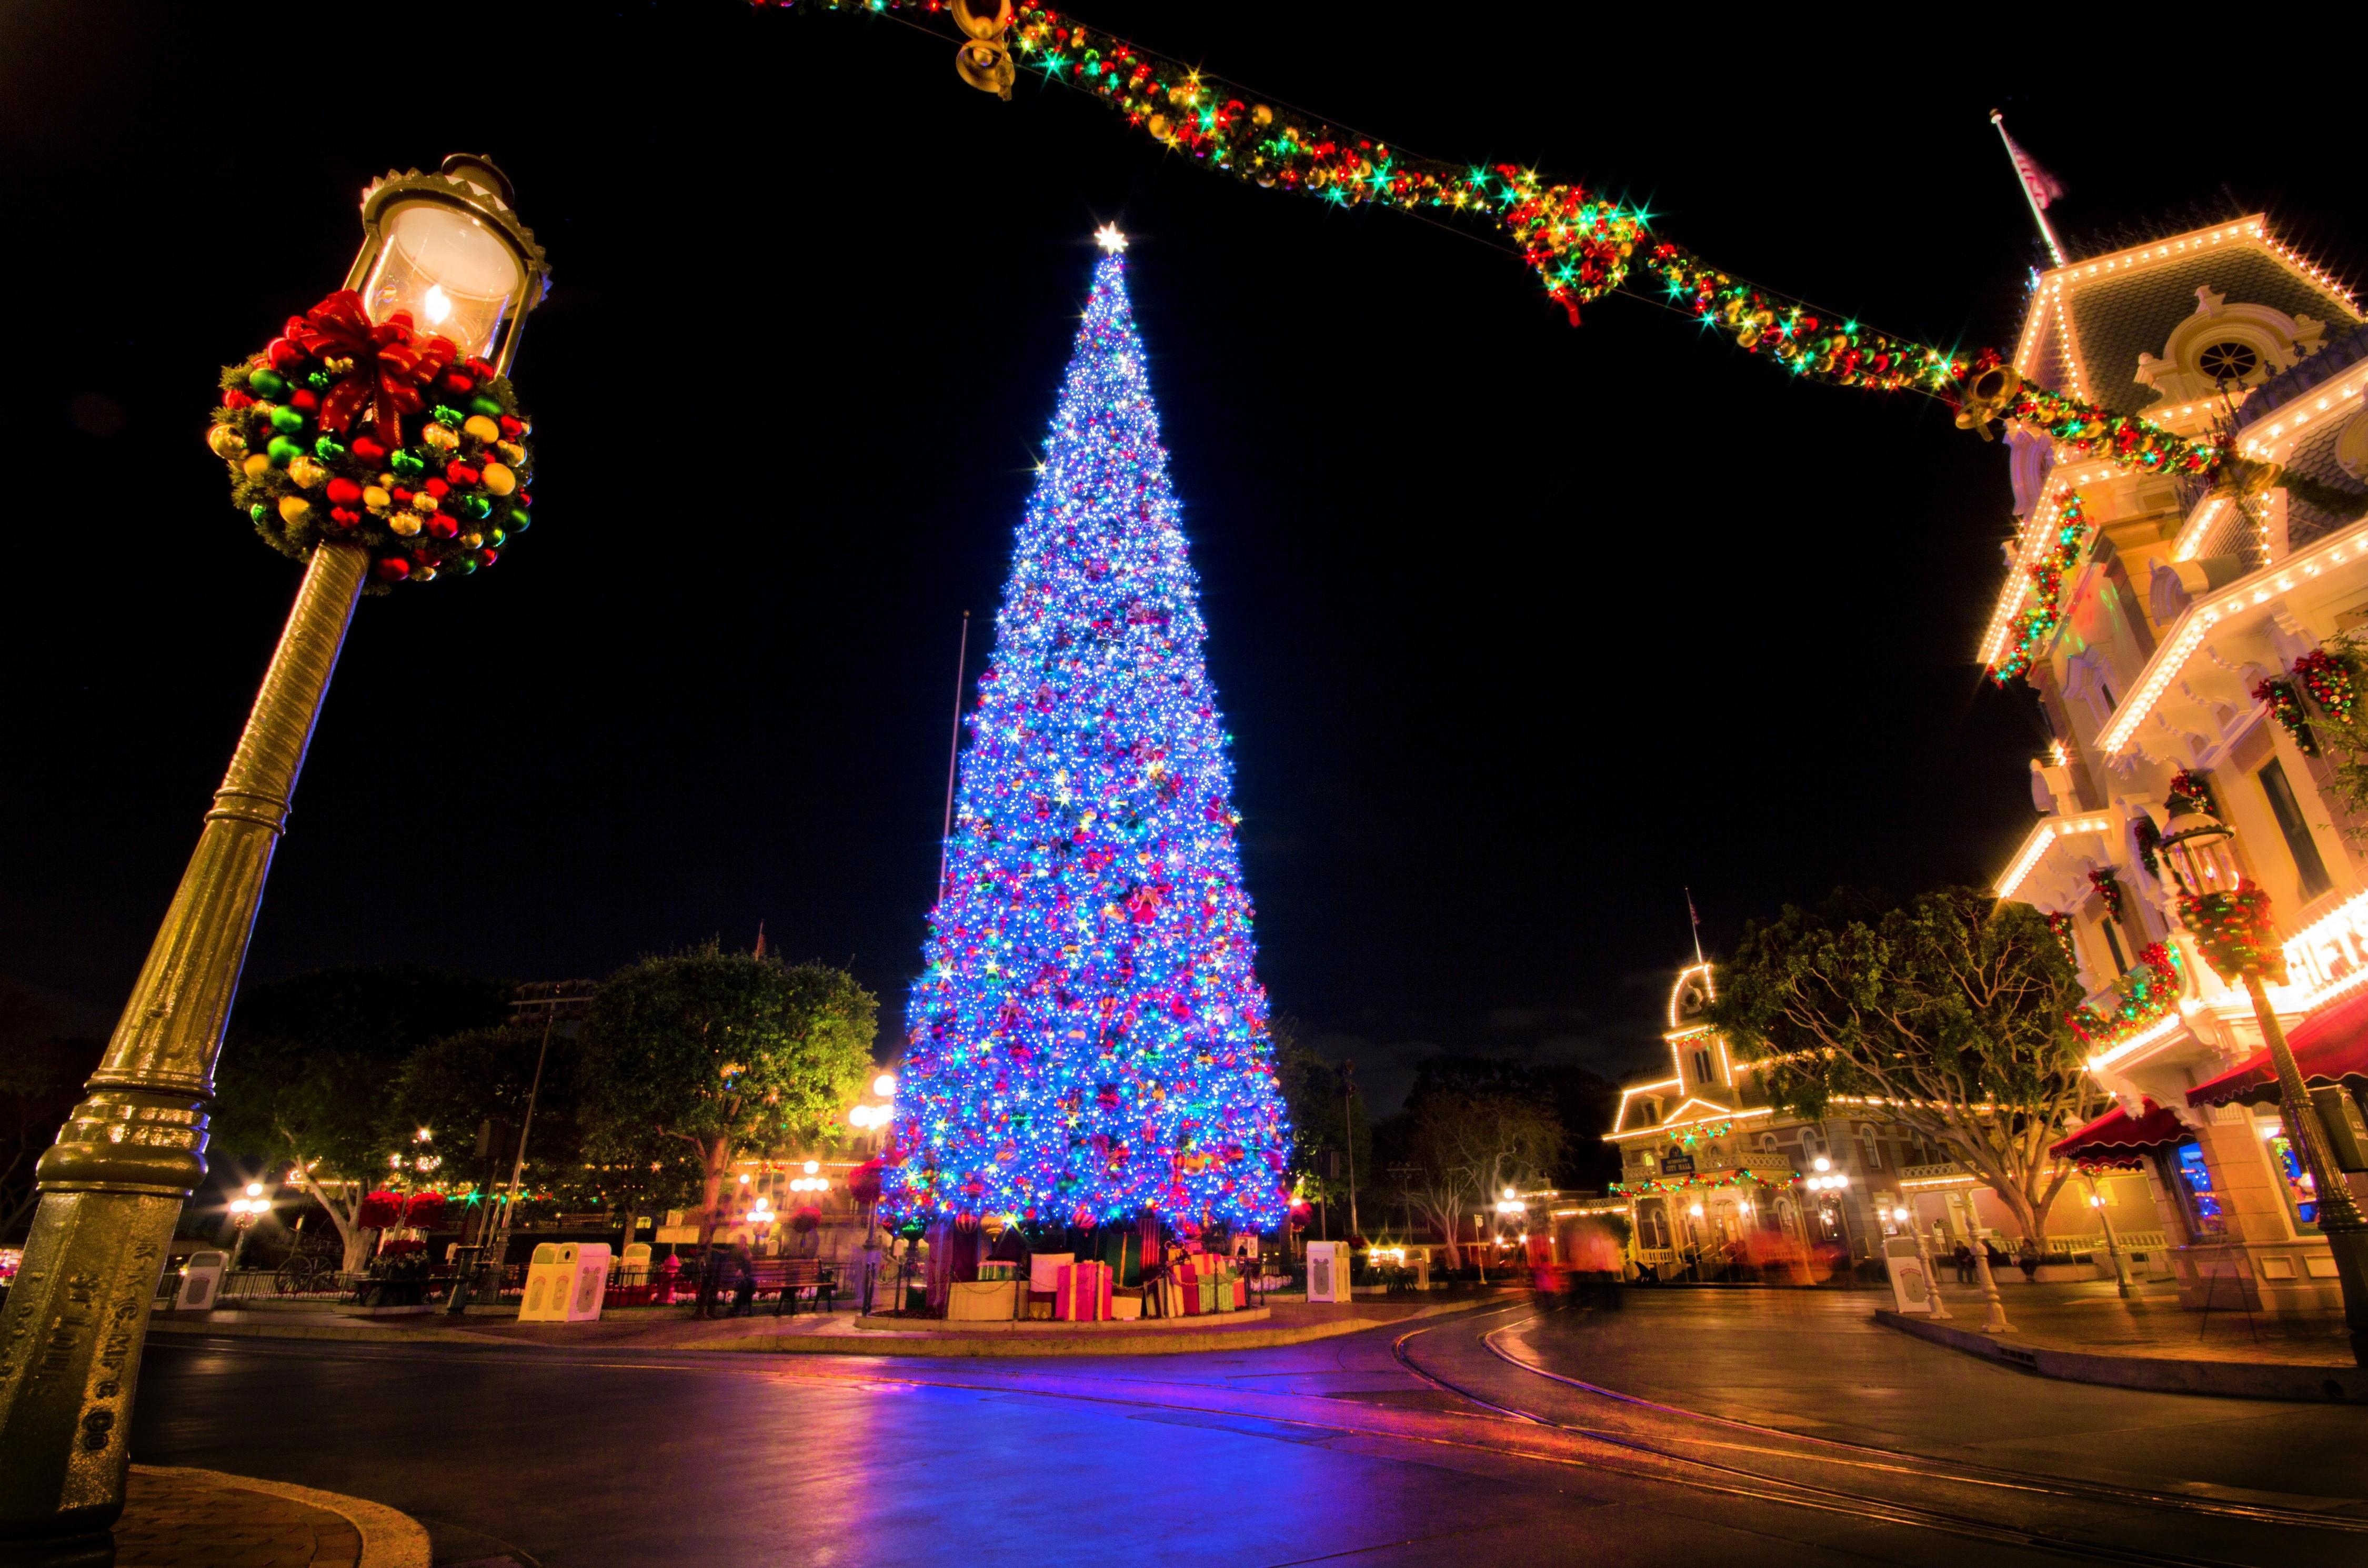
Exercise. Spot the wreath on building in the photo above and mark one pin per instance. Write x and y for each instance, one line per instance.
(346, 430)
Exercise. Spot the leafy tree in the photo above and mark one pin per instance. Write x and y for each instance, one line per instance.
(723, 1054)
(1324, 1119)
(1472, 1126)
(41, 1077)
(1583, 1102)
(309, 1068)
(1951, 1011)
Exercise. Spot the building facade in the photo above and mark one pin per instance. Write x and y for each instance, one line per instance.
(1717, 1182)
(2179, 639)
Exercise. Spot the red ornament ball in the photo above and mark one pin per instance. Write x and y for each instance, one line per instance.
(282, 353)
(393, 568)
(343, 492)
(368, 450)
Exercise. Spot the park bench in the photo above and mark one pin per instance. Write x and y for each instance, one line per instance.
(784, 1278)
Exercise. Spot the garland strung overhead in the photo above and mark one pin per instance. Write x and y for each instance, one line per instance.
(1581, 245)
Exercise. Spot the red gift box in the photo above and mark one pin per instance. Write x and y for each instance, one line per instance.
(1084, 1293)
(1188, 1285)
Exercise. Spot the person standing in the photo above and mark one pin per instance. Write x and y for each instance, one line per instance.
(1964, 1258)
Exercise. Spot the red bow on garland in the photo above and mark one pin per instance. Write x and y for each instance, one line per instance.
(385, 371)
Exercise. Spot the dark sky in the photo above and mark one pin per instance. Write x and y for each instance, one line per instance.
(1520, 630)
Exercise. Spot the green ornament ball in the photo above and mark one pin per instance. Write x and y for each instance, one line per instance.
(282, 450)
(267, 384)
(328, 448)
(496, 537)
(465, 567)
(519, 520)
(490, 408)
(319, 381)
(476, 508)
(287, 421)
(407, 464)
(258, 511)
(447, 415)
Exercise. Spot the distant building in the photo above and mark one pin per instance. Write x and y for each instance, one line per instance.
(1716, 1181)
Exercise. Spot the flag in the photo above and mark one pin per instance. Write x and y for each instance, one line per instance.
(2044, 187)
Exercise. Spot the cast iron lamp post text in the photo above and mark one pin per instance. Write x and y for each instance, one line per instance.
(2215, 902)
(447, 248)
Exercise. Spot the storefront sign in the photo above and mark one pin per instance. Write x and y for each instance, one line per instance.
(2333, 949)
(1675, 1164)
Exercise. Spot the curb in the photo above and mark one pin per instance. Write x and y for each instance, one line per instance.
(2227, 1379)
(344, 1329)
(389, 1538)
(1170, 1342)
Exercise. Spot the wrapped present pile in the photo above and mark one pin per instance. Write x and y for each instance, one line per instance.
(1195, 1284)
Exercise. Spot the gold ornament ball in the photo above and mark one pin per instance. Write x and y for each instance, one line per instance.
(512, 453)
(439, 436)
(294, 510)
(1159, 126)
(1262, 115)
(498, 480)
(306, 474)
(482, 428)
(226, 443)
(424, 502)
(471, 541)
(257, 465)
(375, 497)
(405, 523)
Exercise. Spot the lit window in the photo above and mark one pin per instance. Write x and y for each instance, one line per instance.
(2199, 1197)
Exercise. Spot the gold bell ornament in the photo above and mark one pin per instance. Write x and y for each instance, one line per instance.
(983, 60)
(1985, 399)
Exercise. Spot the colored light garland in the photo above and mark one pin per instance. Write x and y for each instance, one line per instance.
(1684, 1183)
(1090, 1040)
(2285, 706)
(2043, 615)
(2233, 932)
(2109, 888)
(2328, 681)
(1581, 245)
(2061, 924)
(2148, 994)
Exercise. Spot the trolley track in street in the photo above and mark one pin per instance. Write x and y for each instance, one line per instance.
(1779, 1447)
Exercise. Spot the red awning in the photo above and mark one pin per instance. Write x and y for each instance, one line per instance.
(2117, 1138)
(2329, 1046)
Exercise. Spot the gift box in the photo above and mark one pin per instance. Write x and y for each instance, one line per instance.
(1186, 1282)
(997, 1269)
(1084, 1294)
(1126, 1309)
(1221, 1285)
(1205, 1293)
(1039, 1305)
(1122, 1250)
(1044, 1269)
(982, 1300)
(1241, 1291)
(1169, 1296)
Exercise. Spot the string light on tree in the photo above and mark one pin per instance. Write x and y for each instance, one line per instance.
(1088, 1041)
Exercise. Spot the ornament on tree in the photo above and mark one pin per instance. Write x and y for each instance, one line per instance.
(313, 430)
(1088, 1041)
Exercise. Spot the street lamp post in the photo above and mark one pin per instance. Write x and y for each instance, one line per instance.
(2230, 919)
(244, 1212)
(2113, 1243)
(447, 247)
(1915, 1222)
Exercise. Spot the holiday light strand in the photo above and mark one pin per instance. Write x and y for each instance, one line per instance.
(2040, 619)
(2148, 993)
(1581, 245)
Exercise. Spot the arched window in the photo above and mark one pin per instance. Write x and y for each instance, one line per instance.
(1874, 1149)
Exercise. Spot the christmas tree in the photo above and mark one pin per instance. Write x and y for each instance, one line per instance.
(1088, 1042)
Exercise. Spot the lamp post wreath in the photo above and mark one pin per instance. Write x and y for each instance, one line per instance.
(346, 430)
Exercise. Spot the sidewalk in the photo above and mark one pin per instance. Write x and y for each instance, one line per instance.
(202, 1518)
(672, 1328)
(2086, 1333)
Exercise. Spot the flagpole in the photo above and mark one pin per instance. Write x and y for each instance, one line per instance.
(2038, 214)
(954, 751)
(1693, 916)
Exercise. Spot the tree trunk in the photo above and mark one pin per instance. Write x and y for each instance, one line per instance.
(714, 1157)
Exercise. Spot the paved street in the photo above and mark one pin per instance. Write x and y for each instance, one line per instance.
(1359, 1447)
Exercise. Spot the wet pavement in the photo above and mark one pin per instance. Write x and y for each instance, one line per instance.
(1360, 1448)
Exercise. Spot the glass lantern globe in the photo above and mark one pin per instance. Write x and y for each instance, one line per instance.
(448, 248)
(2195, 846)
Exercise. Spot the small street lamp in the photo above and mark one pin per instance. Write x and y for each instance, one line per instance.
(447, 247)
(2230, 917)
(244, 1212)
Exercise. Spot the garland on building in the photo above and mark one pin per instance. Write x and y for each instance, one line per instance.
(349, 431)
(2061, 924)
(2149, 839)
(2328, 680)
(2190, 792)
(1684, 1183)
(2148, 994)
(2109, 888)
(1581, 245)
(2233, 932)
(2039, 619)
(2285, 705)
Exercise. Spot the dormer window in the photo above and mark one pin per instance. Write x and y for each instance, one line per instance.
(2227, 361)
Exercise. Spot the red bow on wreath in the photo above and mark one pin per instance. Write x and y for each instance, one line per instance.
(383, 369)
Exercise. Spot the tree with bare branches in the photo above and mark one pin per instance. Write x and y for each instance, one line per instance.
(1948, 1015)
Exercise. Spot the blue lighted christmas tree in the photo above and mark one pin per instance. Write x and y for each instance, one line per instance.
(1089, 1040)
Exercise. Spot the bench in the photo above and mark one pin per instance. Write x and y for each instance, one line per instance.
(783, 1278)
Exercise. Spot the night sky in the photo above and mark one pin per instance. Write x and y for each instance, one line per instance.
(1520, 630)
